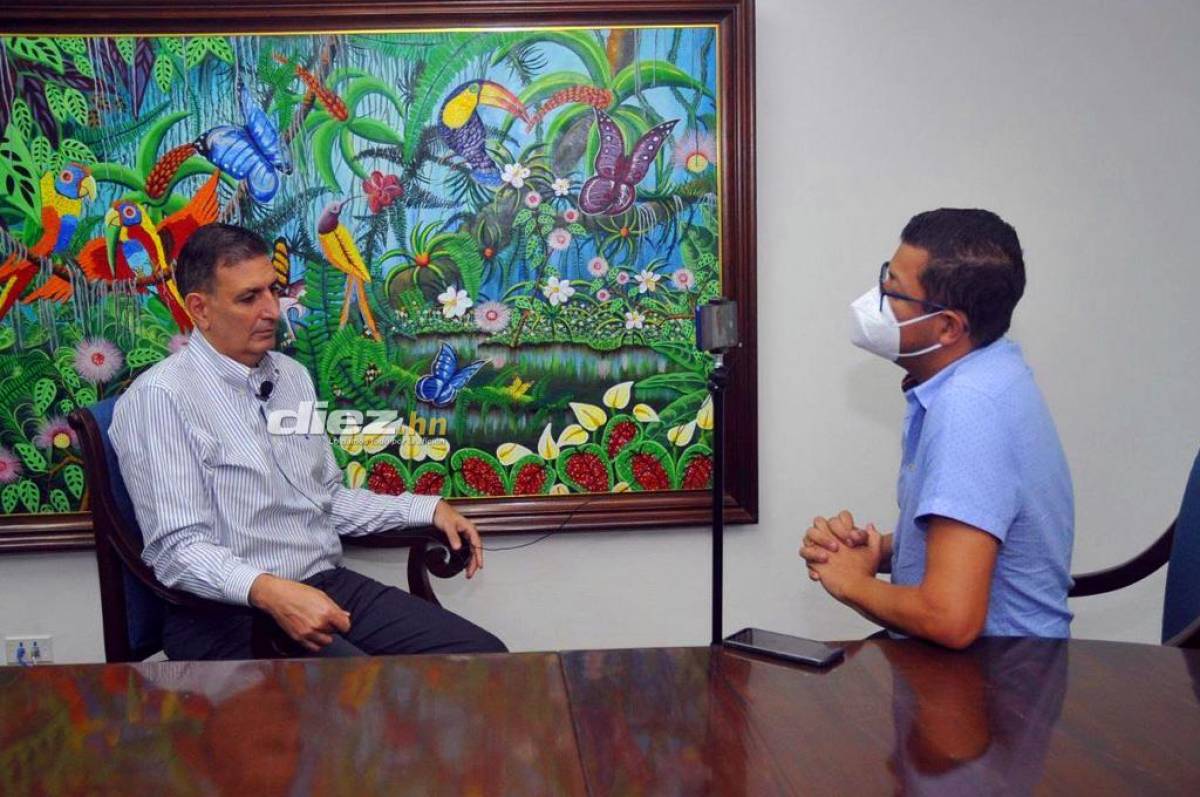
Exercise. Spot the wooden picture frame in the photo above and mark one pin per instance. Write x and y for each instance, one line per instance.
(733, 21)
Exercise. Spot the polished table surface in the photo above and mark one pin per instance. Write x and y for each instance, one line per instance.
(1007, 716)
(470, 725)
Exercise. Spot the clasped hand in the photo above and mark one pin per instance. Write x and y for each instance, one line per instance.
(837, 552)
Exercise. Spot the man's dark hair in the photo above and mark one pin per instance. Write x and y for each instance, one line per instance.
(214, 246)
(975, 265)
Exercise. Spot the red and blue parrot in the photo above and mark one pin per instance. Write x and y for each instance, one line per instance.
(62, 196)
(134, 248)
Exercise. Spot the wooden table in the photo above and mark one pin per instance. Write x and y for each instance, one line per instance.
(1006, 716)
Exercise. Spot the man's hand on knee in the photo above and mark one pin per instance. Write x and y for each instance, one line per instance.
(305, 613)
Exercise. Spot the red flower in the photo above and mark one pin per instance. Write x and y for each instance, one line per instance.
(698, 473)
(385, 479)
(622, 434)
(588, 471)
(649, 472)
(430, 483)
(530, 479)
(382, 190)
(481, 477)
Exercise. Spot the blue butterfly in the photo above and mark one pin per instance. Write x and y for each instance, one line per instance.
(252, 153)
(441, 385)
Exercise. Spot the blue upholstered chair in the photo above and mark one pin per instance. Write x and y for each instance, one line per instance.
(134, 603)
(1179, 546)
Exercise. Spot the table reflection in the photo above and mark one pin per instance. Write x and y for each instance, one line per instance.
(977, 722)
(373, 726)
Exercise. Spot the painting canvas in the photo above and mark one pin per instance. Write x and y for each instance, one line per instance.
(496, 238)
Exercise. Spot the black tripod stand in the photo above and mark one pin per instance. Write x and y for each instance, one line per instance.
(718, 380)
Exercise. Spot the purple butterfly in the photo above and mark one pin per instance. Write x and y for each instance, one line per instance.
(611, 190)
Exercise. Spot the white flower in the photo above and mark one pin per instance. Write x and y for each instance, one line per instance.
(356, 475)
(557, 291)
(492, 316)
(645, 413)
(704, 416)
(682, 435)
(98, 360)
(533, 199)
(514, 174)
(597, 266)
(695, 151)
(558, 239)
(683, 279)
(351, 441)
(634, 320)
(374, 442)
(454, 302)
(618, 395)
(55, 433)
(438, 448)
(412, 446)
(561, 186)
(10, 466)
(647, 281)
(510, 453)
(547, 447)
(573, 435)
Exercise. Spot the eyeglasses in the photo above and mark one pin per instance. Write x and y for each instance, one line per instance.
(883, 294)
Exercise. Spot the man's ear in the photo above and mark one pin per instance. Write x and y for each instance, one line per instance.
(954, 327)
(197, 306)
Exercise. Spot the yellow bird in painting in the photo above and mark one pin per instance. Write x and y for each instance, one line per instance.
(343, 254)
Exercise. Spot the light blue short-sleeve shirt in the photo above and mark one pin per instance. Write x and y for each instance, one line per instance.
(981, 448)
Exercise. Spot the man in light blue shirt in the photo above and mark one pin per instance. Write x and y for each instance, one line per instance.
(983, 542)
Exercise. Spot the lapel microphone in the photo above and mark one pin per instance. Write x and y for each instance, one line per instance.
(264, 390)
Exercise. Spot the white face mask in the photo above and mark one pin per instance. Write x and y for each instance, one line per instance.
(878, 331)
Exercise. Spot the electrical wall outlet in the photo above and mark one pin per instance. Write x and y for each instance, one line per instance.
(28, 651)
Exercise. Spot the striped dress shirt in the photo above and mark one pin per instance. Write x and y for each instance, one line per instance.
(220, 501)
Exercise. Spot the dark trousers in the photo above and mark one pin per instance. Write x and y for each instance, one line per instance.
(383, 620)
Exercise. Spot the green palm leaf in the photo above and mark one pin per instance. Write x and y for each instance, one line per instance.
(148, 150)
(363, 86)
(18, 181)
(653, 74)
(119, 174)
(582, 43)
(322, 152)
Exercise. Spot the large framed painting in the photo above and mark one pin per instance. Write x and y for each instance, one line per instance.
(491, 224)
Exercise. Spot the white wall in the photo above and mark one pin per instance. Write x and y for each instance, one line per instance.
(1076, 122)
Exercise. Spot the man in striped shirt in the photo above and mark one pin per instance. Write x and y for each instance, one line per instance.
(252, 520)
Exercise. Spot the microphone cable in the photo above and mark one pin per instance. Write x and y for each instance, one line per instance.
(552, 531)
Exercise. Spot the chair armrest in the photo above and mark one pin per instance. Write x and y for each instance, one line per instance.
(1131, 572)
(1189, 637)
(429, 552)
